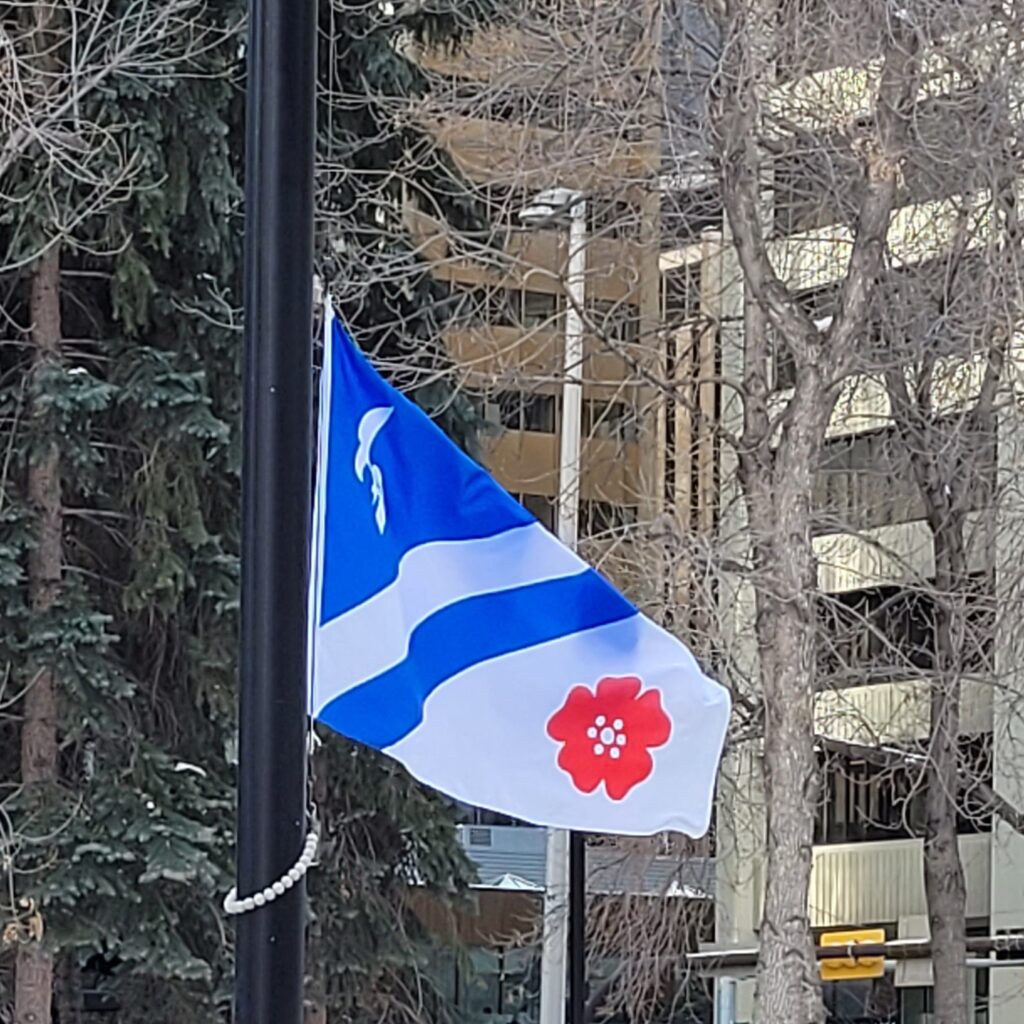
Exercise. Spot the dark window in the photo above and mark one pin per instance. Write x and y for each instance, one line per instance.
(486, 305)
(612, 421)
(867, 800)
(520, 410)
(859, 1002)
(863, 481)
(541, 506)
(819, 180)
(465, 814)
(617, 321)
(687, 212)
(613, 218)
(815, 185)
(504, 203)
(539, 309)
(508, 307)
(867, 480)
(681, 293)
(918, 1004)
(599, 518)
(783, 367)
(885, 633)
(818, 304)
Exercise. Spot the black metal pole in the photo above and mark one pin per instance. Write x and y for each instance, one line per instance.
(577, 928)
(276, 498)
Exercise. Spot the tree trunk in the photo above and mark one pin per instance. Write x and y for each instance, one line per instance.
(33, 992)
(67, 994)
(788, 984)
(943, 871)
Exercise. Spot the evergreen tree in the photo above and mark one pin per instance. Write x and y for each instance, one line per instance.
(119, 530)
(119, 405)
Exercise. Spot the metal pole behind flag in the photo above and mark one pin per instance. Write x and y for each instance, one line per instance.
(566, 868)
(577, 927)
(276, 492)
(569, 499)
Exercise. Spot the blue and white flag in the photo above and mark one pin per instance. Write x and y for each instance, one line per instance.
(453, 632)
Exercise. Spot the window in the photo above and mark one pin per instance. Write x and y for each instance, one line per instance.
(681, 293)
(520, 410)
(465, 814)
(819, 304)
(858, 1002)
(783, 367)
(613, 218)
(486, 305)
(611, 421)
(544, 508)
(867, 480)
(600, 518)
(863, 481)
(883, 633)
(687, 212)
(539, 309)
(508, 307)
(815, 185)
(504, 203)
(918, 1004)
(873, 801)
(617, 321)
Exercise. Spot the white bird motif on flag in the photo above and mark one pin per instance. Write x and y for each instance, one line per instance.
(369, 427)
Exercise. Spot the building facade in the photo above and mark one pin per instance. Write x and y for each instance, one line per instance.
(666, 302)
(875, 554)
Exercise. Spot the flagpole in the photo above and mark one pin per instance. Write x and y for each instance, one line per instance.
(276, 493)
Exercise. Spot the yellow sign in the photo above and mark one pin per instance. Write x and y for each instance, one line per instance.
(848, 968)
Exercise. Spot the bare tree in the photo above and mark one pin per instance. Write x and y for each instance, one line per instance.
(952, 455)
(779, 446)
(60, 148)
(788, 165)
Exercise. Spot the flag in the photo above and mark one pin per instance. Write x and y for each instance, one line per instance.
(452, 631)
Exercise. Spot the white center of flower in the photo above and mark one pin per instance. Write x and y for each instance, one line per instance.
(607, 739)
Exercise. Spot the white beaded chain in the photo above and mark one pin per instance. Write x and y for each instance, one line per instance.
(234, 906)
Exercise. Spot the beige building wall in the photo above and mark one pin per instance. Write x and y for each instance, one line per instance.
(622, 465)
(873, 883)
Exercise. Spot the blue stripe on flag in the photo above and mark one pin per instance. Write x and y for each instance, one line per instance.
(381, 711)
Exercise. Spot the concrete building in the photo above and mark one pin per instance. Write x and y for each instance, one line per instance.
(873, 543)
(631, 890)
(519, 112)
(657, 255)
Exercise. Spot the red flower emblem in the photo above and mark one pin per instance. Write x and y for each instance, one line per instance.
(607, 736)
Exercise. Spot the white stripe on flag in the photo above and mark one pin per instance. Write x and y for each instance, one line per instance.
(374, 637)
(484, 737)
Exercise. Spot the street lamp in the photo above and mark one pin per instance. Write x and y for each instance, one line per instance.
(558, 207)
(565, 872)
